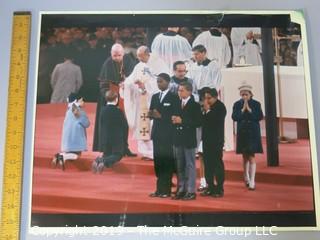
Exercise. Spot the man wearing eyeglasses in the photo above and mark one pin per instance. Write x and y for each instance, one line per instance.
(180, 71)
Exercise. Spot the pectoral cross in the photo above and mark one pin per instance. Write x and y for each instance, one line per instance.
(144, 116)
(144, 131)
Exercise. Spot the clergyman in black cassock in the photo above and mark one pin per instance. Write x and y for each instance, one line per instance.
(113, 72)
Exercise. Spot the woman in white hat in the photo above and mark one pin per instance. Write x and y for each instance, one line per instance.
(247, 113)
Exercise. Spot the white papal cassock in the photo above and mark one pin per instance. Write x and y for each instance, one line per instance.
(217, 47)
(171, 47)
(137, 103)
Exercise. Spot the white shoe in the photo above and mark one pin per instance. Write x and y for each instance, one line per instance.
(251, 187)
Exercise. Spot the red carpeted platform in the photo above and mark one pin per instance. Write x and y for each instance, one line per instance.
(126, 186)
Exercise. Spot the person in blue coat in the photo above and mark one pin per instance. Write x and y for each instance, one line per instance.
(247, 113)
(74, 136)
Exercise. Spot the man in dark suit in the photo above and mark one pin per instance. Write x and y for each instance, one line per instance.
(162, 108)
(113, 129)
(185, 142)
(213, 140)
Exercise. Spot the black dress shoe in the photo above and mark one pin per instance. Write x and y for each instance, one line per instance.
(154, 194)
(218, 194)
(164, 195)
(94, 167)
(55, 160)
(189, 196)
(61, 161)
(100, 167)
(146, 159)
(128, 153)
(206, 193)
(179, 195)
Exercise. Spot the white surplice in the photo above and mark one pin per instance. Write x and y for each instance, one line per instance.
(250, 52)
(205, 76)
(218, 48)
(171, 49)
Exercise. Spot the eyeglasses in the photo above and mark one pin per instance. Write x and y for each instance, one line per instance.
(244, 94)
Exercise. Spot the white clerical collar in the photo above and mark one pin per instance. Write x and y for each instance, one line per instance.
(163, 94)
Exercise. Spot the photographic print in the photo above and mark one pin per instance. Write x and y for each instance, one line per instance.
(172, 119)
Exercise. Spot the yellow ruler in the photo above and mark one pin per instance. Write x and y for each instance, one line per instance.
(13, 158)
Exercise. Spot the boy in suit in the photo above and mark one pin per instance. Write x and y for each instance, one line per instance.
(162, 108)
(112, 135)
(185, 142)
(213, 140)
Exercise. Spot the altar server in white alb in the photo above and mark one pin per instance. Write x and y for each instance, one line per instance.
(138, 89)
(239, 36)
(217, 46)
(205, 72)
(171, 47)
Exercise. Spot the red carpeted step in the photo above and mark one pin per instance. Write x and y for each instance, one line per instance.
(137, 166)
(56, 191)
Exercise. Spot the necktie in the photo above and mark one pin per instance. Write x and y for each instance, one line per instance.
(183, 104)
(160, 96)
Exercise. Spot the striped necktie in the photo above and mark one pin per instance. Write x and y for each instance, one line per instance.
(160, 96)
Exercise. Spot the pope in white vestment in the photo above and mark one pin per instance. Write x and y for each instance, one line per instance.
(203, 71)
(171, 47)
(217, 46)
(138, 90)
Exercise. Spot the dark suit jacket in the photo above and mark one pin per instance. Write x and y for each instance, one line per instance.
(162, 129)
(185, 133)
(113, 127)
(213, 126)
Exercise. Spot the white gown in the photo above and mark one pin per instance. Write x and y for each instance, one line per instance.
(205, 76)
(238, 35)
(145, 72)
(217, 47)
(171, 49)
(251, 53)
